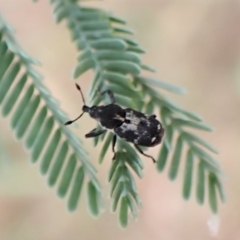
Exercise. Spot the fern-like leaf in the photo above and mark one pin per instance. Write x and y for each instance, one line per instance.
(37, 119)
(106, 48)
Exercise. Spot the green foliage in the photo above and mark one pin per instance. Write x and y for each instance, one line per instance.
(106, 47)
(37, 119)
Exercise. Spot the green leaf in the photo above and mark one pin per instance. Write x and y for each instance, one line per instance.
(117, 19)
(220, 189)
(169, 131)
(135, 196)
(42, 139)
(27, 116)
(22, 106)
(123, 67)
(122, 30)
(116, 64)
(176, 159)
(95, 24)
(123, 212)
(205, 156)
(129, 179)
(13, 63)
(164, 85)
(35, 129)
(123, 91)
(5, 63)
(13, 95)
(117, 78)
(3, 49)
(118, 177)
(125, 101)
(76, 190)
(95, 15)
(200, 183)
(113, 168)
(67, 176)
(59, 5)
(130, 41)
(184, 123)
(130, 152)
(95, 86)
(105, 147)
(135, 49)
(50, 151)
(83, 67)
(193, 138)
(90, 10)
(117, 195)
(131, 204)
(117, 55)
(150, 107)
(165, 114)
(60, 15)
(109, 43)
(58, 164)
(93, 199)
(135, 166)
(95, 101)
(192, 116)
(7, 80)
(188, 175)
(212, 192)
(97, 35)
(162, 158)
(148, 68)
(86, 54)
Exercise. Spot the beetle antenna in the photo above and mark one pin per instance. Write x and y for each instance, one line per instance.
(79, 89)
(70, 122)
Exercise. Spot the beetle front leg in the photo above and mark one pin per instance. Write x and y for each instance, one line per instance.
(113, 146)
(110, 94)
(95, 132)
(141, 151)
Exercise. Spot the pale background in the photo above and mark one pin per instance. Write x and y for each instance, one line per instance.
(193, 44)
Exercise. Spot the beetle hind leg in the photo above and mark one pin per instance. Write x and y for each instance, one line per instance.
(144, 154)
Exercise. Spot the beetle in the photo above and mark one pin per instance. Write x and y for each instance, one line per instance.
(128, 124)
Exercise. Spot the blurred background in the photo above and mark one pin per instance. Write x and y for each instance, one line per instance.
(193, 44)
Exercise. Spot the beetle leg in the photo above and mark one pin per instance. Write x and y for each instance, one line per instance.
(111, 96)
(113, 146)
(95, 132)
(141, 151)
